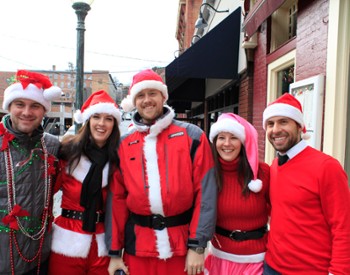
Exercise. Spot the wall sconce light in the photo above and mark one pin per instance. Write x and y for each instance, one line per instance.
(195, 38)
(201, 23)
(177, 53)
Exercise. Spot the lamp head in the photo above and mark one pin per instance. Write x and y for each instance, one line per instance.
(201, 23)
(195, 38)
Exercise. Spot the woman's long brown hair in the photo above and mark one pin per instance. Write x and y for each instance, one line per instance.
(73, 146)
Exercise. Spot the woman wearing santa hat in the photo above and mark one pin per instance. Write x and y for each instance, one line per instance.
(87, 160)
(239, 243)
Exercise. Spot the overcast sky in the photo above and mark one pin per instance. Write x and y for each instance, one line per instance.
(122, 36)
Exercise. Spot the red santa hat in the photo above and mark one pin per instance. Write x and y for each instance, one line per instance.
(286, 106)
(247, 134)
(33, 86)
(146, 79)
(97, 103)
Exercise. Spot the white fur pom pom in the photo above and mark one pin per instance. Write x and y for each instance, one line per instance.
(255, 185)
(305, 136)
(78, 117)
(52, 93)
(127, 104)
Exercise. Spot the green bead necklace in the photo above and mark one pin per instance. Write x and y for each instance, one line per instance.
(24, 152)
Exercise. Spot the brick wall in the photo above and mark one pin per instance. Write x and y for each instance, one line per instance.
(311, 56)
(243, 99)
(246, 96)
(260, 88)
(312, 33)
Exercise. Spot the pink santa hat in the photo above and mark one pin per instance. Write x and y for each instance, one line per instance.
(97, 103)
(146, 79)
(33, 86)
(246, 133)
(286, 106)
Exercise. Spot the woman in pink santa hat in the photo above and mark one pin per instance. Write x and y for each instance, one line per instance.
(87, 161)
(239, 244)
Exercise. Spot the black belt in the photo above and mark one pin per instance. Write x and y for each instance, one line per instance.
(159, 222)
(239, 235)
(78, 215)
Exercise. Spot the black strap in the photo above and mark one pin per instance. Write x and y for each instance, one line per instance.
(78, 215)
(238, 235)
(194, 147)
(159, 222)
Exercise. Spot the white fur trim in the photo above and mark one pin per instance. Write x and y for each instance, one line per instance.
(78, 117)
(79, 173)
(101, 245)
(70, 243)
(155, 196)
(255, 185)
(53, 93)
(32, 92)
(127, 104)
(285, 110)
(305, 136)
(160, 124)
(131, 127)
(253, 258)
(74, 244)
(148, 84)
(227, 125)
(102, 108)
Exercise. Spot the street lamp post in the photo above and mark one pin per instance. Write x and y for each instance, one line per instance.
(81, 8)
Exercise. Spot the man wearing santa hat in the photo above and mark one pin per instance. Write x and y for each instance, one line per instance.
(310, 199)
(168, 187)
(28, 161)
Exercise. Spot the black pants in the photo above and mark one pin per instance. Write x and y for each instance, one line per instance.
(269, 271)
(44, 269)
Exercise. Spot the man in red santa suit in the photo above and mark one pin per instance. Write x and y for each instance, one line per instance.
(310, 199)
(87, 160)
(168, 189)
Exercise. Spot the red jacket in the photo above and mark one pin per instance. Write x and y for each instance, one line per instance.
(159, 177)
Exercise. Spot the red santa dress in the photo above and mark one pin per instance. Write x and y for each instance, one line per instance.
(74, 251)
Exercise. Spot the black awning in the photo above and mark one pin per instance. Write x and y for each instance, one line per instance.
(215, 55)
(259, 13)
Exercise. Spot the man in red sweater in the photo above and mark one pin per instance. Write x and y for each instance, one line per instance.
(310, 198)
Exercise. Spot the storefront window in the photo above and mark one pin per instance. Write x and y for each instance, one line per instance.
(285, 78)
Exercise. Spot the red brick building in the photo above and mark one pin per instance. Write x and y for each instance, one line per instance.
(304, 43)
(284, 46)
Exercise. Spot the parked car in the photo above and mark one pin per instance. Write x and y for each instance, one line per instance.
(127, 116)
(70, 131)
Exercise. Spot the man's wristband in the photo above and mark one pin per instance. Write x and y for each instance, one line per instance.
(198, 249)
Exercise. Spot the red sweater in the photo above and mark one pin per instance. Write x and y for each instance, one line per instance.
(236, 211)
(310, 218)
